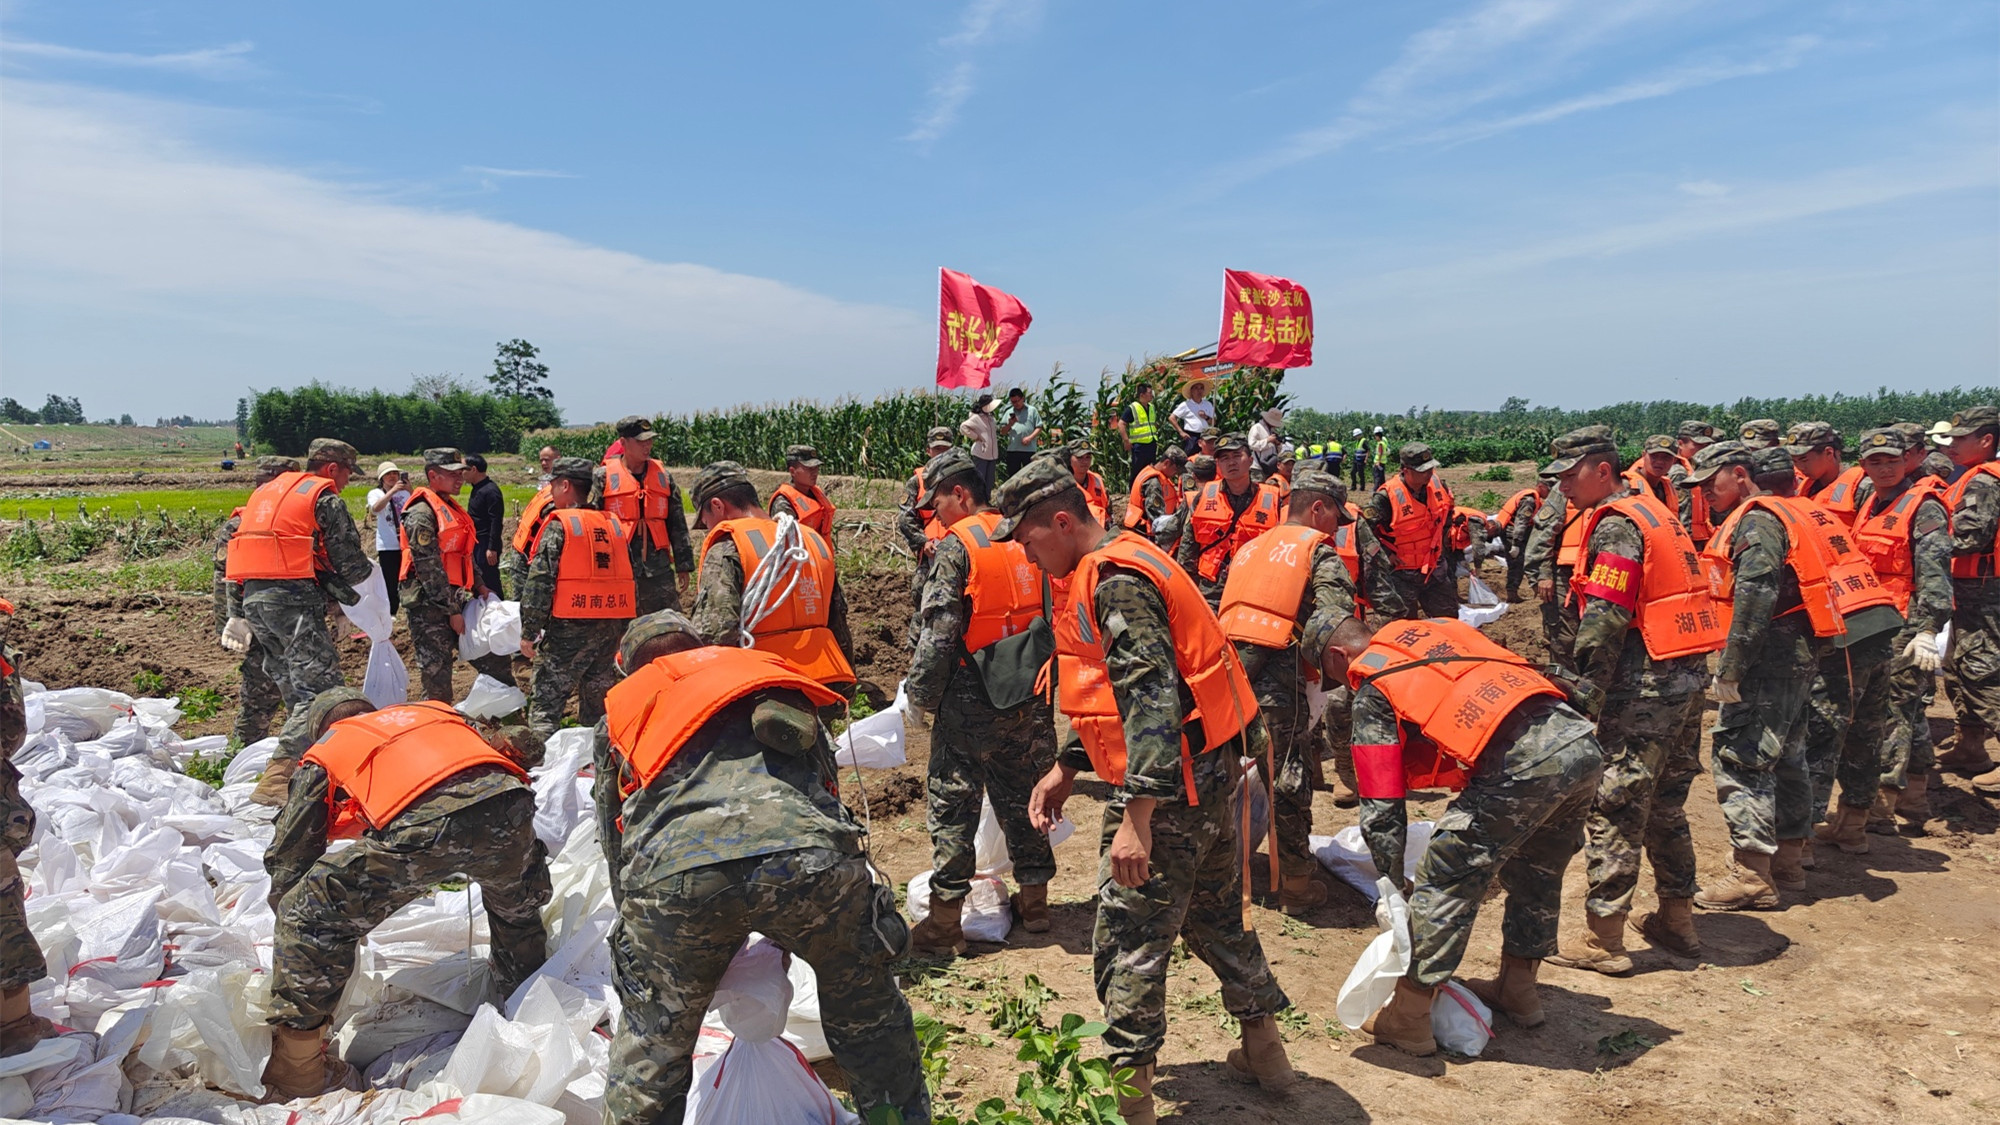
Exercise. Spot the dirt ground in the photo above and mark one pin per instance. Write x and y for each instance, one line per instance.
(1867, 999)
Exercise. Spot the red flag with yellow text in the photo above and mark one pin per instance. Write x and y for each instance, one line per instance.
(978, 327)
(1266, 321)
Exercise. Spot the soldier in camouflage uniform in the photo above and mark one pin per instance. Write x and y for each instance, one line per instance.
(1169, 869)
(1519, 527)
(662, 574)
(1153, 498)
(1378, 601)
(478, 822)
(1689, 440)
(21, 962)
(258, 699)
(743, 830)
(1763, 681)
(1973, 665)
(1519, 819)
(1434, 594)
(572, 655)
(976, 748)
(1761, 433)
(433, 605)
(1649, 726)
(287, 616)
(1542, 560)
(913, 522)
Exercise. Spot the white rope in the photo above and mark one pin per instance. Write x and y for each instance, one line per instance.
(762, 591)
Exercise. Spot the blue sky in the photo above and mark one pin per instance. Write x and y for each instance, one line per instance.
(692, 205)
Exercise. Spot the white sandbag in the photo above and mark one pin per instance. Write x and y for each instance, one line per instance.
(249, 762)
(1373, 979)
(875, 742)
(484, 1109)
(761, 1079)
(1461, 1022)
(562, 794)
(754, 993)
(1345, 853)
(519, 1060)
(491, 626)
(1482, 607)
(472, 642)
(989, 844)
(802, 1024)
(92, 1084)
(84, 714)
(371, 614)
(387, 680)
(987, 915)
(226, 1010)
(488, 698)
(409, 1064)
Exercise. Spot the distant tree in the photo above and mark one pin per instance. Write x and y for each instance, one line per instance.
(437, 387)
(11, 411)
(517, 375)
(59, 409)
(242, 419)
(1515, 404)
(126, 420)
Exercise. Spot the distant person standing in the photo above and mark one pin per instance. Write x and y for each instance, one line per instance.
(1194, 416)
(1357, 460)
(385, 505)
(488, 510)
(547, 458)
(1024, 431)
(980, 430)
(1138, 427)
(1378, 456)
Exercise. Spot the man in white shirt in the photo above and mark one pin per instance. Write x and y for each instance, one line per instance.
(980, 430)
(385, 506)
(1195, 414)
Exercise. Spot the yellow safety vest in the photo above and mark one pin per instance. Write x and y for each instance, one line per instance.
(1141, 431)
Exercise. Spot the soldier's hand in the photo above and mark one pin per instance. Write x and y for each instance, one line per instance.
(1546, 590)
(492, 558)
(458, 623)
(527, 648)
(236, 635)
(1924, 652)
(1728, 691)
(1045, 804)
(684, 579)
(1132, 847)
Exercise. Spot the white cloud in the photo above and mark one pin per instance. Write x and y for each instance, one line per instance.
(946, 99)
(117, 230)
(520, 173)
(228, 61)
(980, 22)
(1704, 189)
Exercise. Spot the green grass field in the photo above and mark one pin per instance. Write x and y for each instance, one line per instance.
(181, 501)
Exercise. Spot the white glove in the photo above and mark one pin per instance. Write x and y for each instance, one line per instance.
(1924, 652)
(1728, 691)
(236, 635)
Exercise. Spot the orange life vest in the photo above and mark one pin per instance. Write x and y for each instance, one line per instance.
(1701, 526)
(1462, 522)
(934, 529)
(1349, 550)
(279, 535)
(6, 668)
(1667, 591)
(1223, 700)
(533, 515)
(641, 501)
(812, 509)
(1096, 498)
(651, 713)
(380, 762)
(1417, 528)
(1667, 494)
(1277, 483)
(594, 575)
(1849, 577)
(1260, 601)
(1803, 553)
(1981, 565)
(1569, 552)
(798, 628)
(456, 538)
(1883, 536)
(1005, 589)
(1454, 685)
(1135, 502)
(1511, 507)
(1842, 497)
(1219, 530)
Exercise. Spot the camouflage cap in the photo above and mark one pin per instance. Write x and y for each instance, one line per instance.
(1773, 460)
(1233, 442)
(1914, 434)
(333, 451)
(1043, 479)
(804, 455)
(942, 468)
(270, 468)
(1696, 431)
(1973, 419)
(573, 469)
(519, 738)
(652, 627)
(444, 457)
(327, 701)
(1177, 454)
(1804, 437)
(637, 428)
(1660, 443)
(1202, 467)
(1577, 444)
(1319, 482)
(939, 435)
(1887, 441)
(716, 476)
(1761, 433)
(1710, 459)
(1417, 457)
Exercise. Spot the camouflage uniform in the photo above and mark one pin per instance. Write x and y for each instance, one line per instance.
(1906, 747)
(1541, 560)
(1972, 667)
(975, 748)
(1379, 602)
(742, 834)
(21, 960)
(718, 608)
(656, 571)
(1516, 534)
(1848, 720)
(1435, 595)
(574, 653)
(513, 563)
(258, 699)
(478, 823)
(430, 601)
(1188, 553)
(1520, 818)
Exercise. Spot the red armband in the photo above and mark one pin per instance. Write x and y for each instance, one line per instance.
(1378, 771)
(1614, 578)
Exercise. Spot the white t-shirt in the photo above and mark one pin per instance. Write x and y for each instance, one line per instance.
(1195, 417)
(385, 522)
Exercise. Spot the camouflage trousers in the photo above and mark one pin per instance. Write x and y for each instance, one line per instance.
(1848, 717)
(1520, 819)
(574, 658)
(672, 942)
(436, 645)
(1295, 747)
(258, 699)
(977, 750)
(1972, 667)
(1906, 746)
(1195, 895)
(1435, 595)
(298, 656)
(1336, 735)
(1559, 623)
(20, 957)
(1758, 759)
(1652, 751)
(655, 594)
(324, 916)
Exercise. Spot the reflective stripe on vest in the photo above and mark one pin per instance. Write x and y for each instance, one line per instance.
(279, 535)
(1843, 496)
(1003, 588)
(1097, 499)
(651, 713)
(1267, 581)
(1803, 554)
(1677, 614)
(1417, 527)
(812, 509)
(456, 538)
(1882, 535)
(594, 575)
(1219, 530)
(1980, 565)
(640, 501)
(533, 515)
(1141, 431)
(1135, 502)
(368, 786)
(1205, 659)
(798, 628)
(1662, 490)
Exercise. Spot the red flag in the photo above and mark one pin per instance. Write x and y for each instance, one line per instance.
(978, 327)
(1266, 321)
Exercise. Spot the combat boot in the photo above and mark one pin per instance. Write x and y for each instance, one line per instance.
(1345, 795)
(1139, 1110)
(1298, 894)
(301, 1066)
(1261, 1058)
(1031, 906)
(1968, 754)
(1882, 814)
(1748, 885)
(1405, 1021)
(1514, 992)
(276, 784)
(1988, 782)
(1848, 830)
(1599, 947)
(1913, 805)
(1807, 859)
(1787, 870)
(1672, 927)
(20, 1028)
(939, 933)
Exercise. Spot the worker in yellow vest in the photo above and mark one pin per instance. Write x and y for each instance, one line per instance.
(1138, 426)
